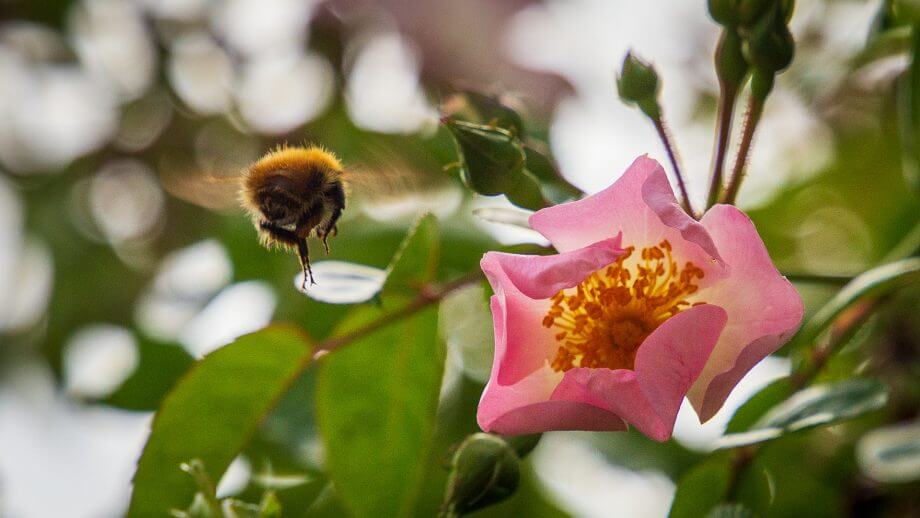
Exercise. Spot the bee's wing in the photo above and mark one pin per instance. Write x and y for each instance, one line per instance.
(389, 180)
(211, 190)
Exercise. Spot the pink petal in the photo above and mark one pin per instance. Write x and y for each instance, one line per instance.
(542, 276)
(764, 309)
(523, 406)
(641, 205)
(667, 364)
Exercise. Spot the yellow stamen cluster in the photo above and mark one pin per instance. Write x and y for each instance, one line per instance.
(603, 321)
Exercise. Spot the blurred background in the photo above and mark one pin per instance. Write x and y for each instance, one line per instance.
(119, 265)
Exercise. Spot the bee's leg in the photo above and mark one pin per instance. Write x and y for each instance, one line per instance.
(332, 229)
(291, 238)
(304, 253)
(335, 195)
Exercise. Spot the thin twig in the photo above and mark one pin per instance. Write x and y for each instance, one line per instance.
(675, 163)
(751, 119)
(842, 330)
(426, 297)
(726, 110)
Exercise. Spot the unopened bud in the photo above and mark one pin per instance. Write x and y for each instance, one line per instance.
(770, 47)
(751, 11)
(724, 12)
(731, 67)
(485, 470)
(786, 8)
(638, 83)
(746, 13)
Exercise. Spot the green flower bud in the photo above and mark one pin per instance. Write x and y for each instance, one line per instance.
(770, 47)
(638, 84)
(637, 80)
(485, 470)
(724, 12)
(786, 7)
(751, 11)
(731, 67)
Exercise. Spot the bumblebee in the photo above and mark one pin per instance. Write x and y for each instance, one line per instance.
(293, 193)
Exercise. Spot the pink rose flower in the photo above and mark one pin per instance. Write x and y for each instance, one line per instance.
(642, 306)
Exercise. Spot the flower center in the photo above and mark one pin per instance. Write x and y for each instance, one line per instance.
(603, 321)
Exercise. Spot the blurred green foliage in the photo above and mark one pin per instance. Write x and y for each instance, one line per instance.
(367, 429)
(212, 414)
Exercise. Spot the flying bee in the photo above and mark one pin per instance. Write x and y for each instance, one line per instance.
(293, 193)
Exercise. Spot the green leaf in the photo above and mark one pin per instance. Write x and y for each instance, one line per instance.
(730, 511)
(907, 11)
(873, 283)
(376, 404)
(525, 192)
(485, 470)
(891, 454)
(758, 405)
(160, 367)
(416, 261)
(908, 97)
(493, 112)
(816, 406)
(793, 474)
(555, 188)
(212, 414)
(492, 162)
(701, 488)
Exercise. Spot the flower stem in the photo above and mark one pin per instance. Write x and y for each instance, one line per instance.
(726, 109)
(752, 118)
(665, 137)
(427, 296)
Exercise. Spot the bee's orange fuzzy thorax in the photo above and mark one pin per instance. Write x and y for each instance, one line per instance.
(295, 159)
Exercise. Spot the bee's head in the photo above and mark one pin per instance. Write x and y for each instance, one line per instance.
(277, 200)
